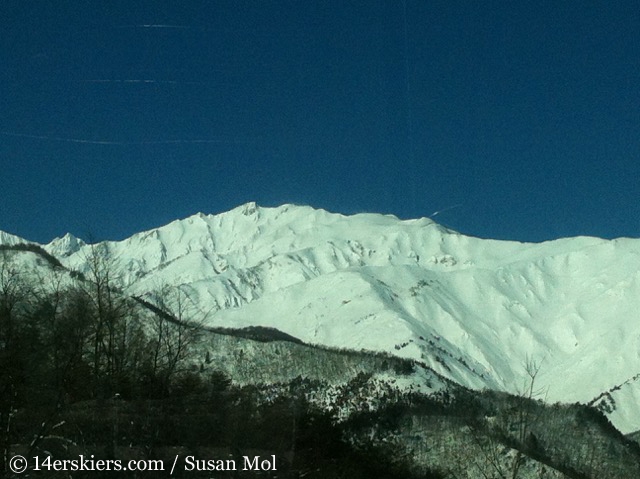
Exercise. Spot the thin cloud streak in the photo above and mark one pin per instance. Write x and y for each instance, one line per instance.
(128, 143)
(144, 81)
(161, 25)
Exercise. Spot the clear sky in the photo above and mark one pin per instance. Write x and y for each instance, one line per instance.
(521, 117)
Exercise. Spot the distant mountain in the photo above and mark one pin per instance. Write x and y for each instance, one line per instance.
(473, 310)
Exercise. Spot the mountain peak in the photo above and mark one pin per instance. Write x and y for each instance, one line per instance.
(65, 246)
(249, 208)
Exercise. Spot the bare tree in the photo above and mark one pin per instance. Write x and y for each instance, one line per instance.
(526, 417)
(113, 321)
(173, 332)
(516, 424)
(15, 296)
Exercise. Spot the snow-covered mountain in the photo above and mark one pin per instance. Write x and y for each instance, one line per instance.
(474, 310)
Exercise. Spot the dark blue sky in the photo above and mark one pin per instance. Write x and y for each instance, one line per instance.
(120, 116)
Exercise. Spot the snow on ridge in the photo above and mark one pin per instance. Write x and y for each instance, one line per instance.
(10, 239)
(473, 309)
(65, 246)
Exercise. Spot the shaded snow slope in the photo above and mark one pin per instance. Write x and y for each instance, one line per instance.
(475, 310)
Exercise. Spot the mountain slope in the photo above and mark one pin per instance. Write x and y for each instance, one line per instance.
(474, 310)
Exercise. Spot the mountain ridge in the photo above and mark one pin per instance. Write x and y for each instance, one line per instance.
(475, 310)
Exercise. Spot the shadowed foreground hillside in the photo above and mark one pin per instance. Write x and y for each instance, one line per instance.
(87, 370)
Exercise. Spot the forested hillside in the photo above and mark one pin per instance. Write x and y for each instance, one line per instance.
(87, 370)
